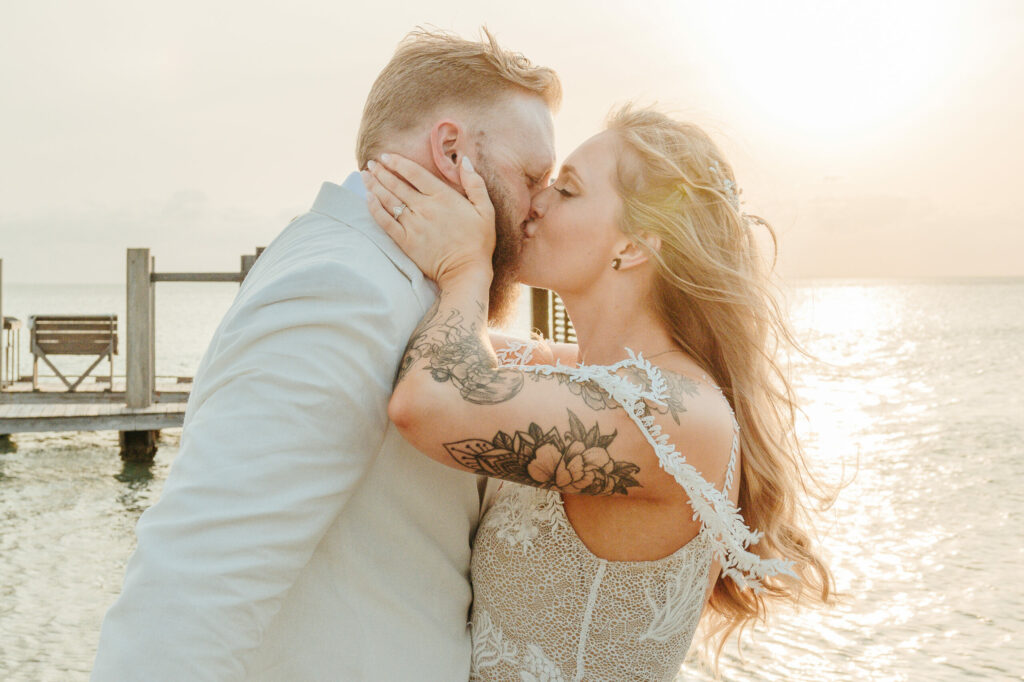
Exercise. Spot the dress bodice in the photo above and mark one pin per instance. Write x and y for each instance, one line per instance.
(546, 608)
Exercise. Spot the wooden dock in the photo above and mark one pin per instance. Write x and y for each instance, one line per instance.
(137, 405)
(52, 408)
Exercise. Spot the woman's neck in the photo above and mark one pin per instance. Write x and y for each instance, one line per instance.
(608, 323)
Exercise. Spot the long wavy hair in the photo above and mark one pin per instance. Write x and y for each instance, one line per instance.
(715, 294)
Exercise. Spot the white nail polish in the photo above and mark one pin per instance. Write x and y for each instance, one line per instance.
(467, 163)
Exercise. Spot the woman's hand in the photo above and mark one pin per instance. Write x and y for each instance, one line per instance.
(446, 234)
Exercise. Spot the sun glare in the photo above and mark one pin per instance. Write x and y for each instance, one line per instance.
(828, 68)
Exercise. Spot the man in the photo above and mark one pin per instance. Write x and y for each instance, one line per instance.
(298, 536)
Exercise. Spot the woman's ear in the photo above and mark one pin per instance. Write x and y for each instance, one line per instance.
(447, 139)
(632, 254)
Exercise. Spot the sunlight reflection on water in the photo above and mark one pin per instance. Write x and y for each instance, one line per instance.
(918, 390)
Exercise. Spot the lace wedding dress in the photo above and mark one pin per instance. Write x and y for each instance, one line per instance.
(546, 609)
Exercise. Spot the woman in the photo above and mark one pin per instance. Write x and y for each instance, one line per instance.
(628, 458)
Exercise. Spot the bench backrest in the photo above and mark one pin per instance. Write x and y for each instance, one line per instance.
(74, 334)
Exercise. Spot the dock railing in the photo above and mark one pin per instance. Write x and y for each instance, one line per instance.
(10, 342)
(140, 328)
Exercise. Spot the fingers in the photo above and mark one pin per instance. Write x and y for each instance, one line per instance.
(419, 177)
(382, 194)
(476, 189)
(405, 193)
(385, 219)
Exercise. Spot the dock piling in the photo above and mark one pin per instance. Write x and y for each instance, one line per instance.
(138, 446)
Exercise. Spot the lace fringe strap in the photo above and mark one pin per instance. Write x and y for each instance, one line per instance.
(516, 353)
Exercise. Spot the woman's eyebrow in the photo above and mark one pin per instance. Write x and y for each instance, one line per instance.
(571, 170)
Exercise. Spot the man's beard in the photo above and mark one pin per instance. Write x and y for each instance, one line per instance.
(508, 246)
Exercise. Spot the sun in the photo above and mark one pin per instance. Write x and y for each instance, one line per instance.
(826, 68)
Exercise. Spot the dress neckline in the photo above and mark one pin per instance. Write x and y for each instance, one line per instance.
(687, 548)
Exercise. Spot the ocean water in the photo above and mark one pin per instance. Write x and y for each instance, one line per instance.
(915, 395)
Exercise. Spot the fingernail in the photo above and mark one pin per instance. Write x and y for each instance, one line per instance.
(370, 164)
(467, 163)
(385, 158)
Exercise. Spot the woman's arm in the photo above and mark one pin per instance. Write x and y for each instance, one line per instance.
(456, 404)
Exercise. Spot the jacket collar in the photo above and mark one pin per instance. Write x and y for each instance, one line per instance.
(346, 203)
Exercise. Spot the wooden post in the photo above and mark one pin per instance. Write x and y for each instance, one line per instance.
(139, 344)
(540, 312)
(138, 446)
(4, 369)
(247, 263)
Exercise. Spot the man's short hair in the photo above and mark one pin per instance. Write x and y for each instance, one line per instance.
(432, 68)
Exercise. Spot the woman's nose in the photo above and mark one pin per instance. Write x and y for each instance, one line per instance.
(539, 205)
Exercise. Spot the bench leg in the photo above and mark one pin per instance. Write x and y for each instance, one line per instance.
(61, 375)
(35, 372)
(72, 387)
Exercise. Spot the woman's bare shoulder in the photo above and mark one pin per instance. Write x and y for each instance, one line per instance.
(698, 421)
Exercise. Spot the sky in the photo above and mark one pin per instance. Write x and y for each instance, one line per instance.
(881, 139)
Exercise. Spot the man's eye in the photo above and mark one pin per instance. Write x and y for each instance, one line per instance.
(564, 192)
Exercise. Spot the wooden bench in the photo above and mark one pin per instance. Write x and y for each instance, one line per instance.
(72, 335)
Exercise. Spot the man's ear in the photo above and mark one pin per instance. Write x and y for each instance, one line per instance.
(447, 139)
(632, 254)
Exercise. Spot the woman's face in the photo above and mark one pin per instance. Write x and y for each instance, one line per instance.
(573, 234)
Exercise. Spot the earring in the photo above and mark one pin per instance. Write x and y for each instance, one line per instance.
(616, 263)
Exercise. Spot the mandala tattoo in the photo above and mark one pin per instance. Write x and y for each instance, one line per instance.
(454, 352)
(577, 462)
(596, 398)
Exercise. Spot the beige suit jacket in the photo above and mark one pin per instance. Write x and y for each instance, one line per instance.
(298, 536)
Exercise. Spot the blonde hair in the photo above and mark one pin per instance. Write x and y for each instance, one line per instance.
(431, 69)
(713, 291)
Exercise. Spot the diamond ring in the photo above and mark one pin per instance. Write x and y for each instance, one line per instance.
(397, 211)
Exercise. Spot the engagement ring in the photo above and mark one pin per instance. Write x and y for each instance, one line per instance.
(397, 211)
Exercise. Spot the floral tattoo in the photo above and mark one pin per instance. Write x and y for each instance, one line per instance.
(454, 353)
(579, 462)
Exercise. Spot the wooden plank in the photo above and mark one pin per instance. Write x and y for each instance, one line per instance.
(73, 348)
(54, 410)
(119, 422)
(196, 277)
(77, 318)
(62, 328)
(55, 336)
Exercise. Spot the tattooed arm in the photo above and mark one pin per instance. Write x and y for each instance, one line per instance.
(455, 403)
